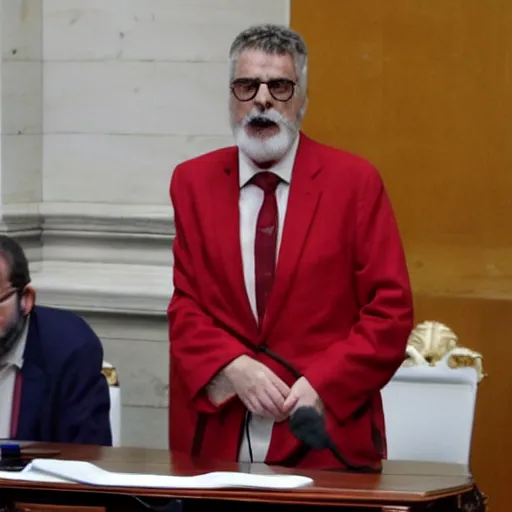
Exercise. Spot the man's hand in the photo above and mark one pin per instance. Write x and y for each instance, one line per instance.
(302, 394)
(258, 387)
(220, 390)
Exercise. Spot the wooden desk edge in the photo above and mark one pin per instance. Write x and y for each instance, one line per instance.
(300, 496)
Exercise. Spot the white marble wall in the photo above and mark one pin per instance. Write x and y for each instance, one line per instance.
(21, 92)
(130, 88)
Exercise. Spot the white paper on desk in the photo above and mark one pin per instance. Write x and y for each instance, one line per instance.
(31, 476)
(69, 471)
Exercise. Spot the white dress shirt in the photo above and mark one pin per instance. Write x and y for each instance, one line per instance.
(251, 200)
(10, 363)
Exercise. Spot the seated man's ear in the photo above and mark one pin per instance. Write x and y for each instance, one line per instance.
(28, 299)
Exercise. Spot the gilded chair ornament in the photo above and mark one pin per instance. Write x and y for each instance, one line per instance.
(433, 343)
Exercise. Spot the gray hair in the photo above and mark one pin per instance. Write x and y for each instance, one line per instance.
(272, 39)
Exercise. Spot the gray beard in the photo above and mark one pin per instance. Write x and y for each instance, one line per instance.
(274, 148)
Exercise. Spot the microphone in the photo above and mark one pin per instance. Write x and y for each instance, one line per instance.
(308, 426)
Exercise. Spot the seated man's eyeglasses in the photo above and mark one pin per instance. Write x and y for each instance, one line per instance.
(245, 89)
(5, 295)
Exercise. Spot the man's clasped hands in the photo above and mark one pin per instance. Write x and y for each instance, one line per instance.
(261, 390)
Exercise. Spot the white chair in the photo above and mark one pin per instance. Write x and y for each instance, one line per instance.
(110, 374)
(429, 413)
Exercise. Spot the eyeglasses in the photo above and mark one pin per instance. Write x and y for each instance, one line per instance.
(5, 296)
(245, 89)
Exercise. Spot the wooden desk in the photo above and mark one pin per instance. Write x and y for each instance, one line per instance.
(403, 486)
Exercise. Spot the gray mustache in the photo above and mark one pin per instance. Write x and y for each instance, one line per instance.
(261, 118)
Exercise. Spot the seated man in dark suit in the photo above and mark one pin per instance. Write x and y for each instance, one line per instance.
(51, 383)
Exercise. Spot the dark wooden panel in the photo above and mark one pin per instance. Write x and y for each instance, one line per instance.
(423, 90)
(44, 507)
(482, 324)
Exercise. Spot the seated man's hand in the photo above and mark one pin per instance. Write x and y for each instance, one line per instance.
(260, 389)
(302, 394)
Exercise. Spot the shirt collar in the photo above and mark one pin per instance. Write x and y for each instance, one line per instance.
(283, 168)
(15, 356)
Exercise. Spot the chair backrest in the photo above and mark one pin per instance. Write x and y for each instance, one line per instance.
(115, 402)
(429, 413)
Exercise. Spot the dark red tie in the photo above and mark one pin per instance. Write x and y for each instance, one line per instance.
(16, 403)
(265, 244)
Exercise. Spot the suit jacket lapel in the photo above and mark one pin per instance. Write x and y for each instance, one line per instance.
(34, 392)
(303, 200)
(225, 213)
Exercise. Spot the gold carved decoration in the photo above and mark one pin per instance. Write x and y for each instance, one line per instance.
(110, 374)
(432, 343)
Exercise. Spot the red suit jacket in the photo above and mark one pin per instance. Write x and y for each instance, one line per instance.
(340, 311)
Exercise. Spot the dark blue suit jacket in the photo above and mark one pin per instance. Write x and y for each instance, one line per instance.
(65, 397)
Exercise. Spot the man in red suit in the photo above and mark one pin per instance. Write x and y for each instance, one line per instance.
(291, 286)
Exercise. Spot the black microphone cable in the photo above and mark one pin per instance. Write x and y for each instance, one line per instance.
(306, 424)
(278, 359)
(263, 349)
(247, 420)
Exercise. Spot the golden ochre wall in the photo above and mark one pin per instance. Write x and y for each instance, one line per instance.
(423, 89)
